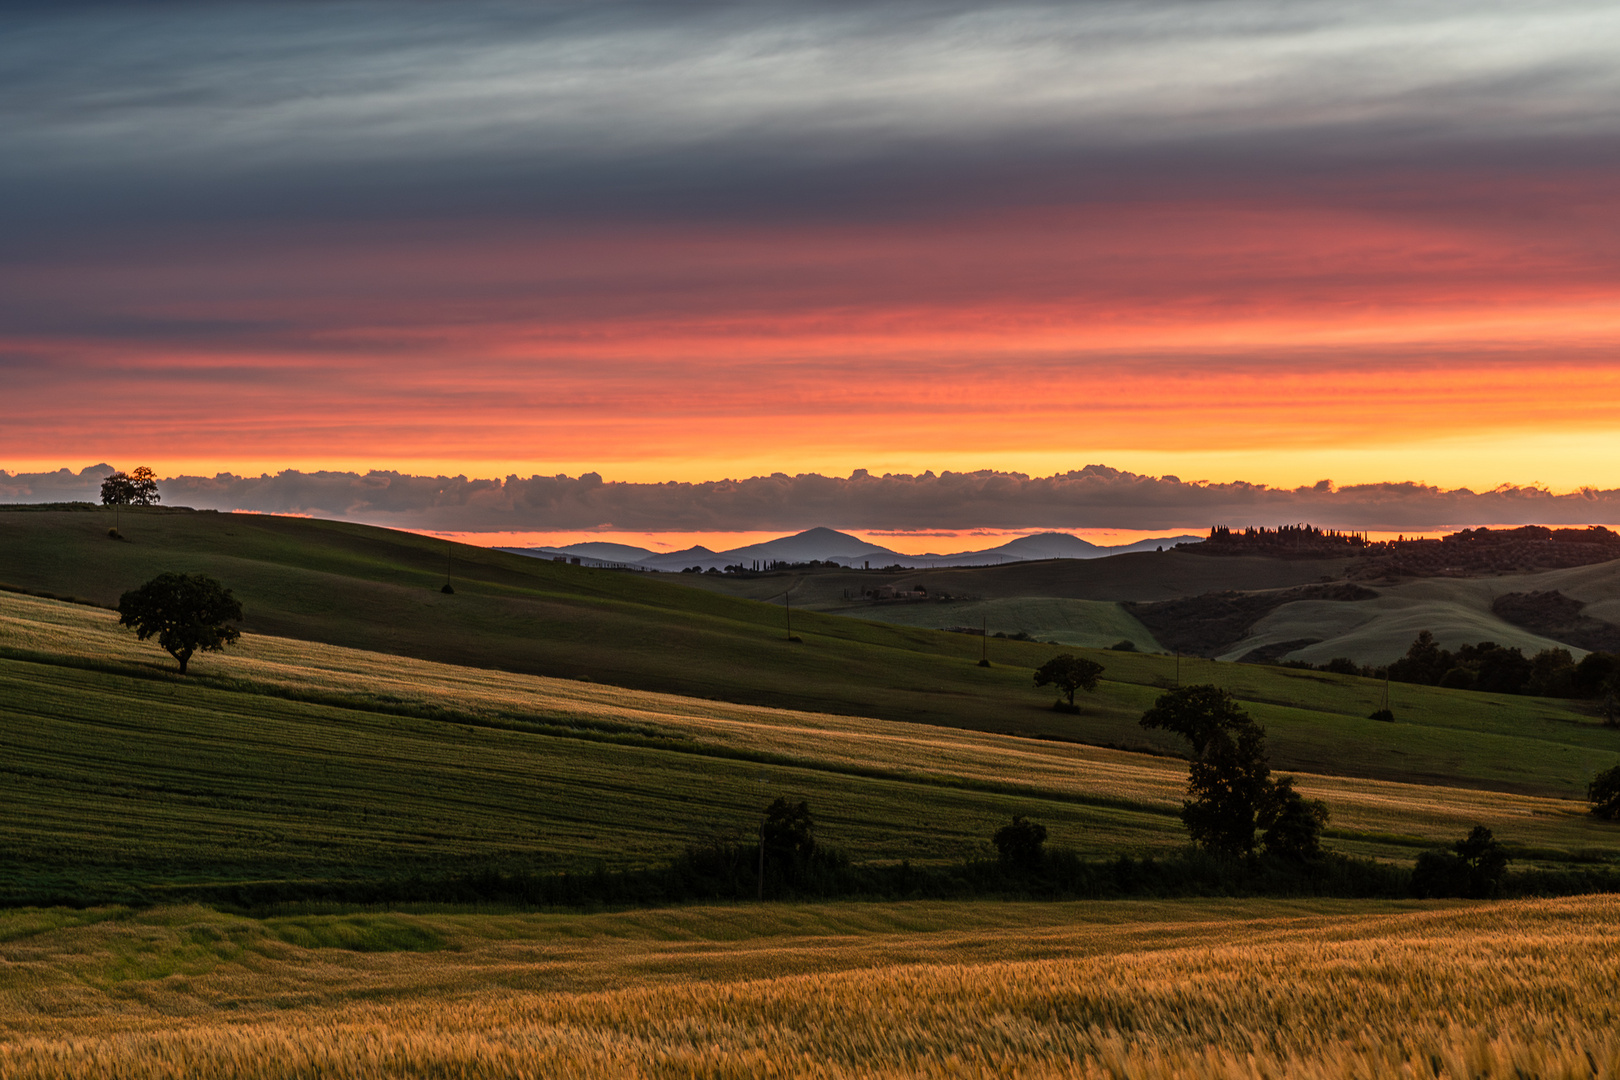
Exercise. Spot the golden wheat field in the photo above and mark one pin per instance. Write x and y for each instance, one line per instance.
(1433, 813)
(1190, 989)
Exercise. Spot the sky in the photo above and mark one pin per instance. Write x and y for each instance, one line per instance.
(1237, 242)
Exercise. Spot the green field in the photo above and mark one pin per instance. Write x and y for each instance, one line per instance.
(1077, 601)
(1088, 624)
(293, 761)
(1456, 610)
(378, 589)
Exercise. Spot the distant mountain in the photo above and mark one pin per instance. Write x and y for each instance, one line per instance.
(1166, 542)
(1048, 545)
(597, 549)
(830, 545)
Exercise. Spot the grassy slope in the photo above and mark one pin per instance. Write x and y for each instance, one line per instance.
(1075, 601)
(1137, 576)
(1457, 610)
(1088, 624)
(377, 589)
(288, 760)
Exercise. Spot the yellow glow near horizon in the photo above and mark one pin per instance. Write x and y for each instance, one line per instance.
(1561, 461)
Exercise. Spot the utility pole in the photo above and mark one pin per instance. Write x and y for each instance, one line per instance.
(787, 602)
(449, 549)
(984, 642)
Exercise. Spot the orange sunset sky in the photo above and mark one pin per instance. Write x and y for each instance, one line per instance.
(1225, 242)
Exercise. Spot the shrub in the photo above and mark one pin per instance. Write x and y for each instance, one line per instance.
(1474, 868)
(1458, 678)
(1019, 845)
(788, 832)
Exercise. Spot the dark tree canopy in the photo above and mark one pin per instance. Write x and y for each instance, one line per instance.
(1229, 777)
(1497, 669)
(1293, 824)
(117, 490)
(1200, 714)
(1019, 844)
(144, 484)
(136, 488)
(185, 612)
(1604, 793)
(787, 832)
(1425, 662)
(1474, 867)
(1229, 787)
(1069, 673)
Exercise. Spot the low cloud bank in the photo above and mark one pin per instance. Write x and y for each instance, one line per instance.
(1093, 497)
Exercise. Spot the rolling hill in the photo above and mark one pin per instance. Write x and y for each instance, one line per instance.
(1080, 603)
(379, 590)
(301, 763)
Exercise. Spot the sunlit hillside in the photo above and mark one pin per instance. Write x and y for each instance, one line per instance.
(1204, 990)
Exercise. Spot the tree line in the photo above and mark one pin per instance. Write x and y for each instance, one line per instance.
(1492, 668)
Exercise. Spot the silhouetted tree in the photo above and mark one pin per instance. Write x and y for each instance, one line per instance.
(185, 612)
(143, 482)
(1604, 793)
(1069, 673)
(1474, 867)
(788, 833)
(1293, 824)
(117, 490)
(1497, 669)
(1425, 662)
(1019, 845)
(1229, 778)
(1595, 674)
(1552, 674)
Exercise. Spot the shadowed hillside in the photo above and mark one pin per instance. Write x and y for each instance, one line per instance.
(379, 589)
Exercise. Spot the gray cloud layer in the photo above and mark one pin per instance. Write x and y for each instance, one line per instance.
(1093, 497)
(272, 111)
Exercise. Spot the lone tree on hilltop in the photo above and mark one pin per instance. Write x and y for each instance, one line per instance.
(1229, 787)
(185, 612)
(144, 484)
(117, 490)
(1069, 673)
(135, 488)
